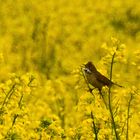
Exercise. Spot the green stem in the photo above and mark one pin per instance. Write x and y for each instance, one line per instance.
(128, 112)
(8, 95)
(109, 98)
(94, 127)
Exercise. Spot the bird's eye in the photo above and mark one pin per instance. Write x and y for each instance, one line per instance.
(87, 70)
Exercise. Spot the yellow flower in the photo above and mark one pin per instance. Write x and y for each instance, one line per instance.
(71, 132)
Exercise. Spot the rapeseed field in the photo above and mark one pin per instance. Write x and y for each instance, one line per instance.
(44, 94)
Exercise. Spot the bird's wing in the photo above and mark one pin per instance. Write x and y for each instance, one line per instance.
(101, 78)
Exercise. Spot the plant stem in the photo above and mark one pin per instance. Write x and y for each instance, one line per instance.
(128, 112)
(109, 98)
(8, 95)
(94, 127)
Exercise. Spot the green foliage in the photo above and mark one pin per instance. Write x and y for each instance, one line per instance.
(45, 123)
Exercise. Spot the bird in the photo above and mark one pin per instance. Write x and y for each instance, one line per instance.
(95, 78)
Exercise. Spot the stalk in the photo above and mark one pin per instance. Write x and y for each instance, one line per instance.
(109, 98)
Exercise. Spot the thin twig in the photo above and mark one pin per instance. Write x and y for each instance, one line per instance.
(128, 115)
(110, 105)
(20, 101)
(8, 95)
(94, 127)
(116, 109)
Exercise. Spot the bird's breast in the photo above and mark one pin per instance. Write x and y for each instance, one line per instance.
(93, 81)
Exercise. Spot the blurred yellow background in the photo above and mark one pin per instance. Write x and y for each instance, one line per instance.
(51, 39)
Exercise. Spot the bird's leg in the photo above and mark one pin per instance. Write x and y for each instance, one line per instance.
(90, 90)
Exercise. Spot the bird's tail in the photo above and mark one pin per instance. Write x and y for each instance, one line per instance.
(118, 85)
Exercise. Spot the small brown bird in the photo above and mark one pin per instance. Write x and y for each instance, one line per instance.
(95, 78)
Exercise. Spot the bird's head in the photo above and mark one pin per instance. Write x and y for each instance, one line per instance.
(89, 68)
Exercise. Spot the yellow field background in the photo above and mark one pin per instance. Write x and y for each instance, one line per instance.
(43, 44)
